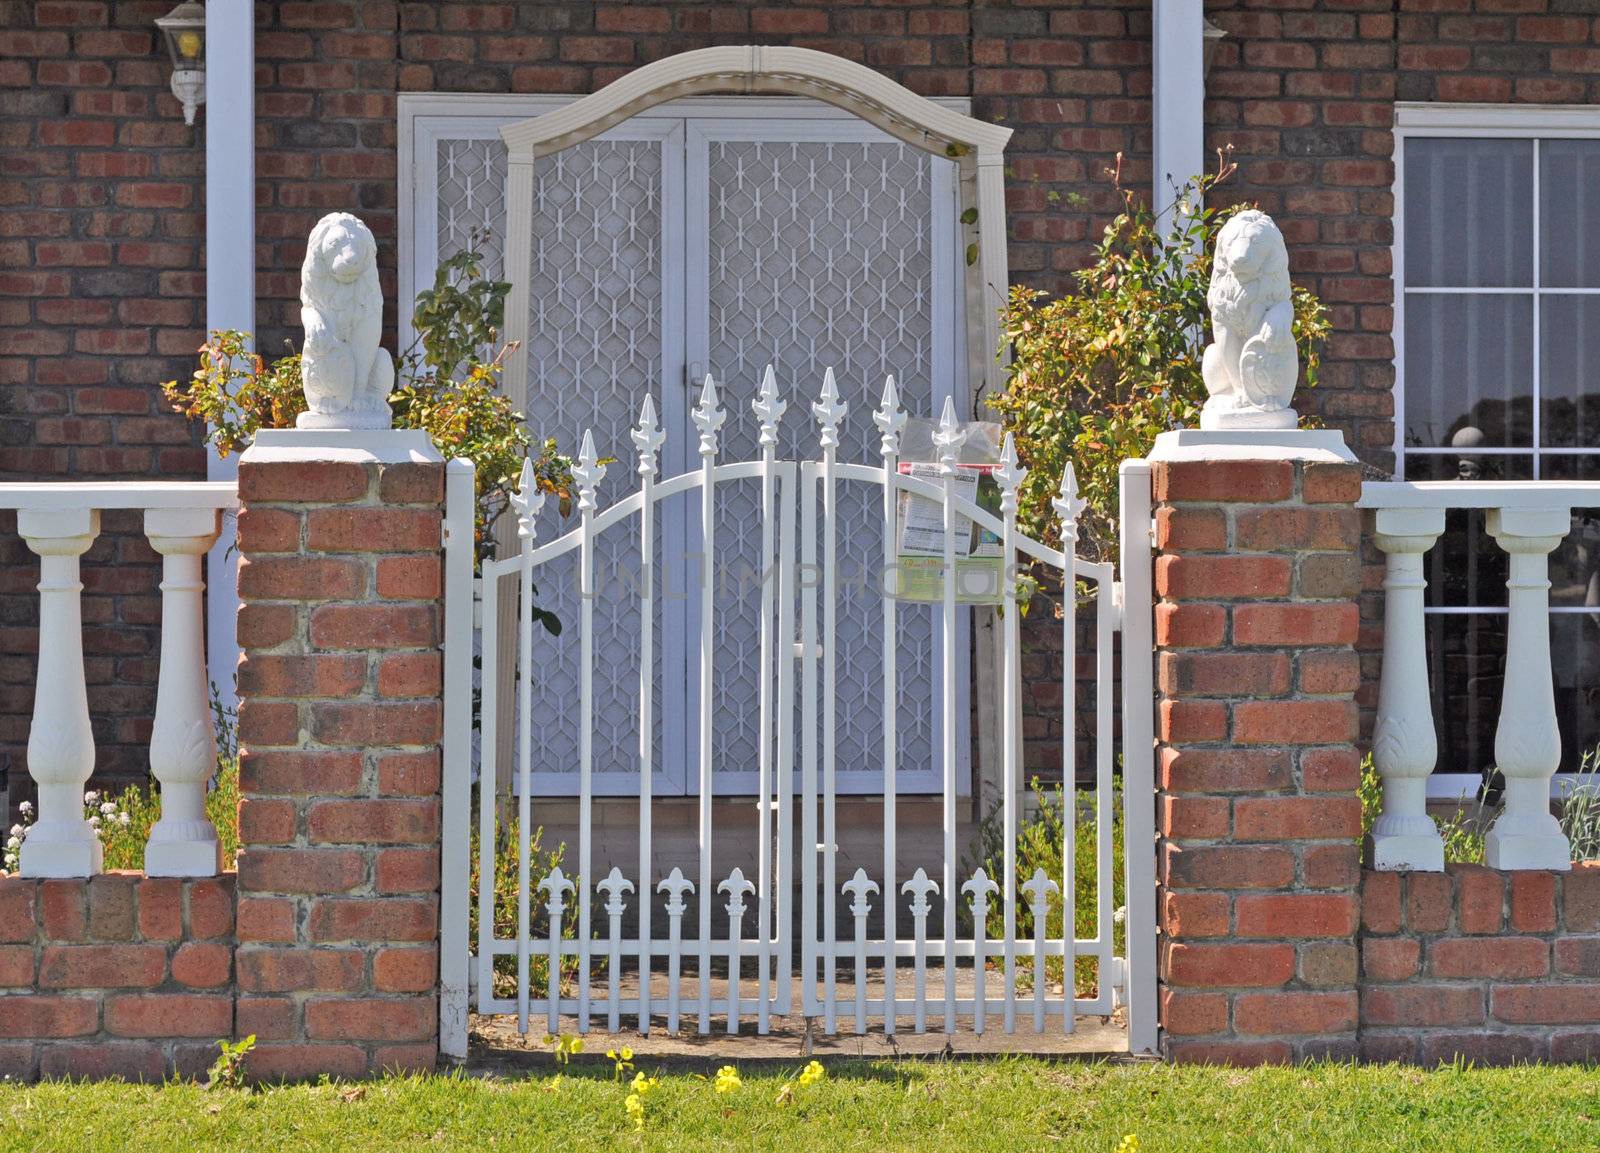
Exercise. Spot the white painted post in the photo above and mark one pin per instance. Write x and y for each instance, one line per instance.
(647, 439)
(890, 419)
(230, 169)
(919, 887)
(948, 440)
(588, 473)
(769, 407)
(859, 888)
(829, 411)
(708, 417)
(1178, 89)
(1527, 744)
(183, 743)
(60, 743)
(1404, 746)
(557, 886)
(455, 859)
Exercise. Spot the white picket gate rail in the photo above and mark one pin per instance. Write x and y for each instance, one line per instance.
(749, 966)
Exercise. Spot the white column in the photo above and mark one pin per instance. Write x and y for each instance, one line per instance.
(1527, 745)
(1178, 95)
(61, 842)
(229, 113)
(183, 746)
(1404, 747)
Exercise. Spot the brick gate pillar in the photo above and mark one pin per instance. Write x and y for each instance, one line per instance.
(340, 691)
(1257, 574)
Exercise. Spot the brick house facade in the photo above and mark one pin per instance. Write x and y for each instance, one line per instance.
(101, 201)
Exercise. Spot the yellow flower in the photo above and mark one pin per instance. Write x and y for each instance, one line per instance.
(1129, 1144)
(643, 1085)
(635, 1107)
(727, 1079)
(565, 1047)
(812, 1073)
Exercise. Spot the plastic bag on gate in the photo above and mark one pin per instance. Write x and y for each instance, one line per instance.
(919, 521)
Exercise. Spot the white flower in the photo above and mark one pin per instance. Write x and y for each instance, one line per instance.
(108, 808)
(26, 806)
(1120, 915)
(17, 830)
(94, 822)
(14, 843)
(122, 819)
(91, 798)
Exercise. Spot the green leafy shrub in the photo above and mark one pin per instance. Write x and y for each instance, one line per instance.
(507, 859)
(1041, 841)
(1097, 374)
(448, 387)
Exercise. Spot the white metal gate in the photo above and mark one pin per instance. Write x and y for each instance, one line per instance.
(705, 942)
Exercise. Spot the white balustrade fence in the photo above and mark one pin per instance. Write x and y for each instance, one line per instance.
(1528, 520)
(60, 522)
(734, 946)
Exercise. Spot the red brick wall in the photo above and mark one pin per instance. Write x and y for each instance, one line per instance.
(100, 300)
(1257, 769)
(118, 976)
(341, 684)
(1494, 967)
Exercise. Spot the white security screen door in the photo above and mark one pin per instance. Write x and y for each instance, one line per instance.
(710, 236)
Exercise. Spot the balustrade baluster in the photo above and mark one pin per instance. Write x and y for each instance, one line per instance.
(1404, 746)
(61, 842)
(183, 743)
(1527, 744)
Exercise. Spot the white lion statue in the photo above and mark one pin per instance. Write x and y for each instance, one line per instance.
(1251, 366)
(346, 376)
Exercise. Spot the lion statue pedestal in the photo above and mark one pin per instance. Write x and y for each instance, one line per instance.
(346, 375)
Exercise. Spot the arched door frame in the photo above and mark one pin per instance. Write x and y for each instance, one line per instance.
(977, 147)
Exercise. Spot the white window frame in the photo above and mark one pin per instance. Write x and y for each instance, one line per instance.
(1535, 122)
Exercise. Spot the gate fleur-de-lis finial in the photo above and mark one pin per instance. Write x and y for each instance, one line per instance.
(527, 500)
(1038, 888)
(1068, 505)
(769, 407)
(556, 884)
(829, 411)
(737, 888)
(613, 886)
(948, 438)
(588, 472)
(1009, 475)
(675, 885)
(858, 888)
(647, 437)
(708, 417)
(980, 889)
(919, 886)
(890, 418)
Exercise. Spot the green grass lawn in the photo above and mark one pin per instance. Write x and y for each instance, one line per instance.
(931, 1107)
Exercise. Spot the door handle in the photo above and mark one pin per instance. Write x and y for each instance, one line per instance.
(694, 374)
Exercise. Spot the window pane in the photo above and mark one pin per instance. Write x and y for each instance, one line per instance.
(1469, 370)
(1575, 658)
(1575, 564)
(1467, 654)
(1468, 466)
(1468, 213)
(1569, 211)
(1569, 338)
(1466, 566)
(1569, 466)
